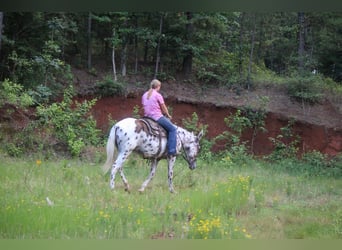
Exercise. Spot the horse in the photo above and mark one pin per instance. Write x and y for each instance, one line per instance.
(145, 137)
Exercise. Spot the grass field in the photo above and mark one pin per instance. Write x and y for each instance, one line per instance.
(71, 199)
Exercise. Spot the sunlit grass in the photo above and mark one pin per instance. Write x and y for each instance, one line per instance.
(67, 199)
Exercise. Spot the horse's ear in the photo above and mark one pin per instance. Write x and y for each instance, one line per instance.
(200, 135)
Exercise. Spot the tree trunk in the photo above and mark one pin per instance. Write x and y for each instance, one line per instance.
(136, 55)
(113, 63)
(124, 58)
(251, 56)
(187, 60)
(240, 53)
(1, 25)
(145, 51)
(89, 41)
(158, 46)
(113, 58)
(301, 42)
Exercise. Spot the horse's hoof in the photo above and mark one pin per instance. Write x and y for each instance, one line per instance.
(172, 191)
(141, 190)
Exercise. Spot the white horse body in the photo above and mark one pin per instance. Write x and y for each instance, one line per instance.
(130, 135)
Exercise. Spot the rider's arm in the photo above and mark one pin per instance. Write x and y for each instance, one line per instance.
(165, 110)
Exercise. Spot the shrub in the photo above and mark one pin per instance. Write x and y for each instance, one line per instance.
(109, 87)
(14, 102)
(14, 94)
(237, 123)
(70, 123)
(315, 158)
(41, 68)
(41, 94)
(318, 164)
(285, 144)
(306, 89)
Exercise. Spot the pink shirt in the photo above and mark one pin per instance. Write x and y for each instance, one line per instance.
(152, 105)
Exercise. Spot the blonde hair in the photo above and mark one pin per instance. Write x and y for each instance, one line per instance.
(154, 84)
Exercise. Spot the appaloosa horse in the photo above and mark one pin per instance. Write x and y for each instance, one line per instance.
(147, 138)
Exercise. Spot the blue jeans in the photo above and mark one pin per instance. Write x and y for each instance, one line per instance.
(172, 133)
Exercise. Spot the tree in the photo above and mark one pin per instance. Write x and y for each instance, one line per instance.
(301, 43)
(89, 45)
(251, 53)
(1, 24)
(187, 60)
(158, 45)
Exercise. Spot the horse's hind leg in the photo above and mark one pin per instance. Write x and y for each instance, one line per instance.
(117, 166)
(123, 177)
(151, 175)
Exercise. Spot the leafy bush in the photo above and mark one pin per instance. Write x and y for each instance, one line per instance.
(217, 68)
(285, 144)
(14, 94)
(306, 89)
(237, 123)
(14, 102)
(72, 126)
(41, 94)
(42, 68)
(315, 158)
(109, 87)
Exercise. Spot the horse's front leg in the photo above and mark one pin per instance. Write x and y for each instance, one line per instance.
(171, 163)
(154, 164)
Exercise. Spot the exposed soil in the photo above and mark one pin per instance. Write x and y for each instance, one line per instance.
(319, 126)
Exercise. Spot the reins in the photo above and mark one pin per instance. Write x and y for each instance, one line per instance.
(184, 154)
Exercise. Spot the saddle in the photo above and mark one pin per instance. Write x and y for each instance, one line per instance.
(152, 127)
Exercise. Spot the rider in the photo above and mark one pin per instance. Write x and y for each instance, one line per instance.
(155, 108)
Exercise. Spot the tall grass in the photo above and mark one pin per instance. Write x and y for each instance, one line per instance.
(65, 199)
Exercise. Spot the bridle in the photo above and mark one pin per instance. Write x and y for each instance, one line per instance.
(184, 154)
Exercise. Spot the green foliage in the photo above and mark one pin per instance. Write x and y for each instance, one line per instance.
(218, 45)
(109, 87)
(256, 116)
(219, 68)
(14, 101)
(73, 126)
(315, 158)
(306, 89)
(314, 163)
(41, 94)
(236, 149)
(44, 68)
(193, 124)
(285, 144)
(14, 94)
(136, 111)
(236, 124)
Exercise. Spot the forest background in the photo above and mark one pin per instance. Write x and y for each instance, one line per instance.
(40, 53)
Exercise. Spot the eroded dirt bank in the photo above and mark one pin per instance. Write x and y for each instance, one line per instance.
(327, 140)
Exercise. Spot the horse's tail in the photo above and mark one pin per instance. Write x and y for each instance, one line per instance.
(110, 150)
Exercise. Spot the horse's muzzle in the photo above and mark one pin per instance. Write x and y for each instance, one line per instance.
(192, 165)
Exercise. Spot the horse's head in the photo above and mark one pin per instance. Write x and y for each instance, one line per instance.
(191, 147)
